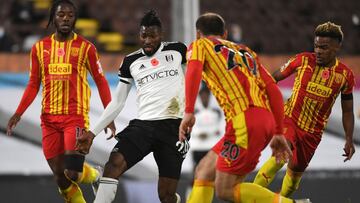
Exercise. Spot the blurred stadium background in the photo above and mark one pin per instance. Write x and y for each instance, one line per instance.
(275, 29)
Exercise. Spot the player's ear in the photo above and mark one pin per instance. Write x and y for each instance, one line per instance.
(198, 34)
(162, 33)
(225, 35)
(337, 45)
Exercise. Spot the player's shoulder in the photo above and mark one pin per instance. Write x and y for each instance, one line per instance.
(44, 39)
(344, 67)
(176, 46)
(133, 56)
(200, 42)
(309, 55)
(80, 38)
(245, 48)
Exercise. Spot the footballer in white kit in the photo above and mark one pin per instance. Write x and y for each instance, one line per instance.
(157, 70)
(159, 81)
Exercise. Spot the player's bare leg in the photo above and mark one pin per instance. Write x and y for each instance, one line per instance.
(67, 188)
(167, 190)
(114, 168)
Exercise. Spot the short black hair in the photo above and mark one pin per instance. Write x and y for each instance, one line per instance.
(211, 24)
(150, 18)
(331, 30)
(54, 6)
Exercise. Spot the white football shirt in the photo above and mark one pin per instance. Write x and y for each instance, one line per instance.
(159, 81)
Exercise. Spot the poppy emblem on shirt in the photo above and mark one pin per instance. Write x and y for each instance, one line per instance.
(60, 52)
(154, 62)
(325, 74)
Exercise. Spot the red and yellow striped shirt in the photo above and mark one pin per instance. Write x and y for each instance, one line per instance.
(61, 68)
(233, 74)
(315, 90)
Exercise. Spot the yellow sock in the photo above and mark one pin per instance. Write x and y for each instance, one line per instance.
(290, 183)
(267, 172)
(72, 194)
(202, 192)
(89, 174)
(250, 192)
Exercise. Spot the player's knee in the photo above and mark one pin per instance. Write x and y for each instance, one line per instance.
(224, 189)
(204, 173)
(166, 196)
(205, 170)
(73, 166)
(294, 184)
(221, 193)
(115, 166)
(293, 187)
(71, 175)
(59, 177)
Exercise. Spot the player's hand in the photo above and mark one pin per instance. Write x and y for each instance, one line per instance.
(12, 123)
(280, 149)
(112, 128)
(186, 126)
(84, 141)
(349, 150)
(183, 146)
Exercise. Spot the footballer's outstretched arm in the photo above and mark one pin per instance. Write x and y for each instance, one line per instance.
(115, 106)
(348, 124)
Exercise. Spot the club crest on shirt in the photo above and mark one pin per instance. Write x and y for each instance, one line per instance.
(338, 78)
(74, 51)
(169, 58)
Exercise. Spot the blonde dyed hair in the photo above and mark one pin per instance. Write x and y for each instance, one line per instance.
(331, 30)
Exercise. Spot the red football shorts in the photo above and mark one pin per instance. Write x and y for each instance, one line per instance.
(218, 146)
(59, 133)
(246, 135)
(303, 144)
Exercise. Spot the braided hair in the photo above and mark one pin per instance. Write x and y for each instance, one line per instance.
(150, 19)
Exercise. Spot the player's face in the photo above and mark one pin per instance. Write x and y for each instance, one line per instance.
(325, 50)
(150, 38)
(64, 19)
